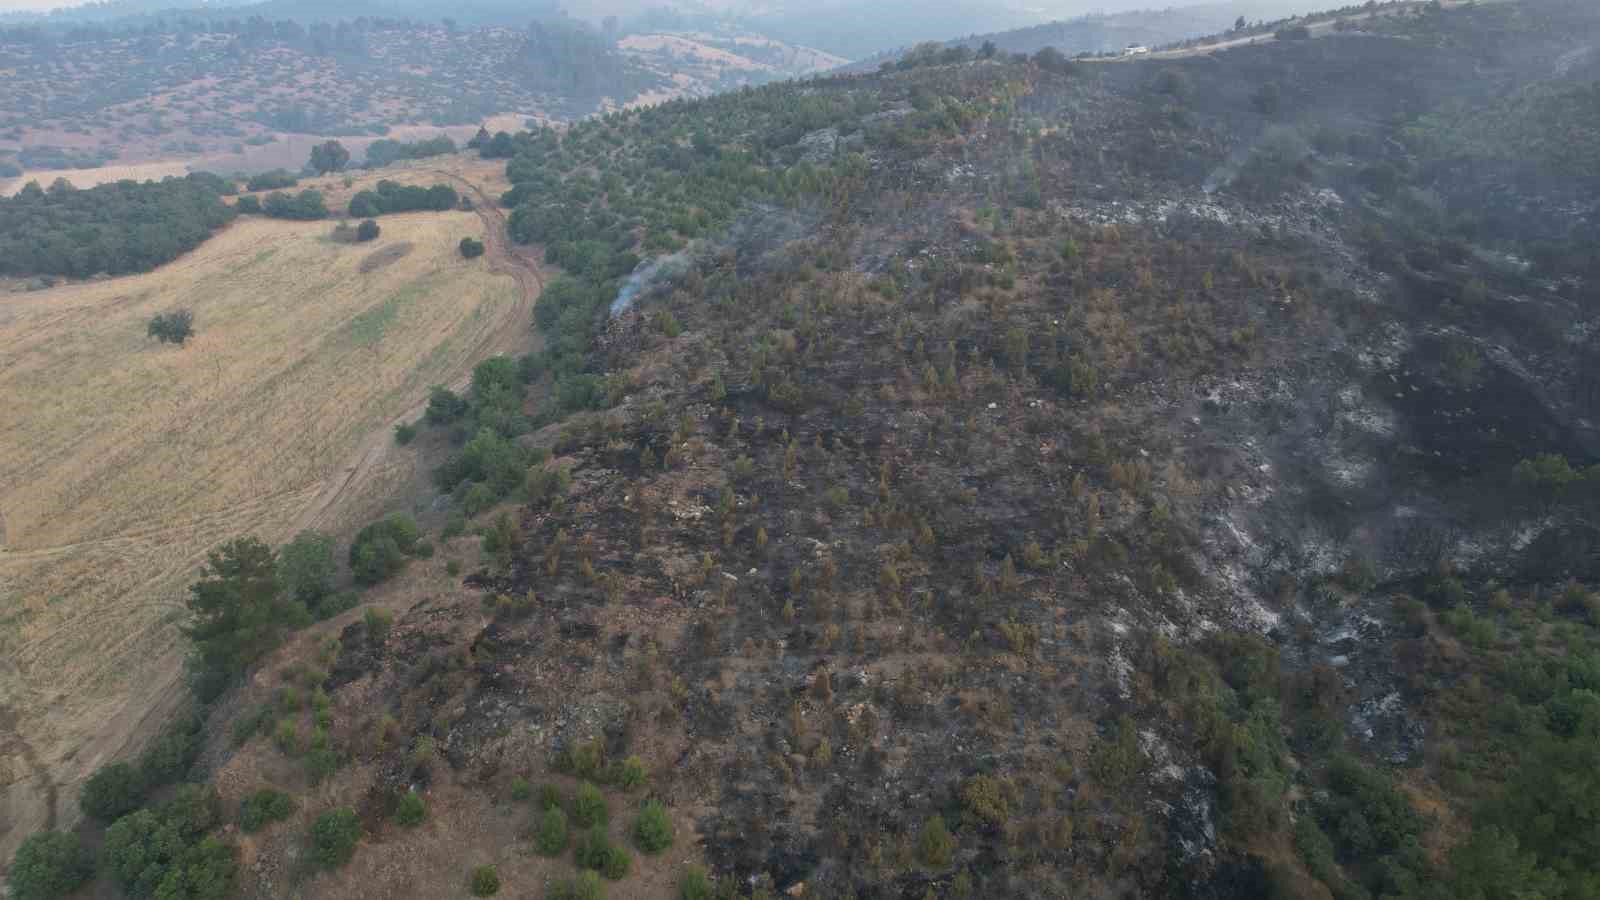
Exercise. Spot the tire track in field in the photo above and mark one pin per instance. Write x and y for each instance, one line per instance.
(515, 333)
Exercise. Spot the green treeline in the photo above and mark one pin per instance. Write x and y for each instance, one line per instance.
(114, 229)
(392, 197)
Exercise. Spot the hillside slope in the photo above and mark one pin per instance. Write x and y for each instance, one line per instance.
(1011, 478)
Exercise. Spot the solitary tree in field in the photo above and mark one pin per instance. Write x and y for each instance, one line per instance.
(329, 157)
(470, 248)
(172, 327)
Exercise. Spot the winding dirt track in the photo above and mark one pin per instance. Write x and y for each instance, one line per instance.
(504, 258)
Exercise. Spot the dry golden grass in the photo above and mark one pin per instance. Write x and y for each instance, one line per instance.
(122, 460)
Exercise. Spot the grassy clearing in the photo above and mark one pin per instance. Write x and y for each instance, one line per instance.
(123, 460)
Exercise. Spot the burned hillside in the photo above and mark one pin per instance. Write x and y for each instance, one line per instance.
(1089, 497)
(1020, 478)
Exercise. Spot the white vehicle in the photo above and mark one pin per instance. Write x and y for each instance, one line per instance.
(1135, 50)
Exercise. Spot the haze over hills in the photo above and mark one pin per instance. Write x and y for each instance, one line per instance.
(848, 28)
(139, 88)
(992, 473)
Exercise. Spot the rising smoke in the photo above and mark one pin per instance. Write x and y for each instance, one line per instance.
(645, 275)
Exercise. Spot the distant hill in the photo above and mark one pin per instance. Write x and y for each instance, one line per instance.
(1106, 33)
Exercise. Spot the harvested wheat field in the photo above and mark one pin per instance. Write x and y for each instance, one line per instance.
(123, 460)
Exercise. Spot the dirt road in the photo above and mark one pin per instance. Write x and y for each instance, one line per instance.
(518, 334)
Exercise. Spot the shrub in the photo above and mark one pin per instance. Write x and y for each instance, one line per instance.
(597, 851)
(49, 865)
(935, 844)
(264, 807)
(164, 851)
(378, 623)
(695, 885)
(631, 774)
(422, 751)
(549, 796)
(552, 837)
(471, 249)
(112, 792)
(173, 327)
(171, 756)
(381, 549)
(520, 789)
(652, 831)
(405, 433)
(485, 881)
(411, 810)
(275, 180)
(590, 806)
(587, 886)
(248, 204)
(304, 206)
(984, 800)
(307, 568)
(368, 230)
(336, 603)
(334, 836)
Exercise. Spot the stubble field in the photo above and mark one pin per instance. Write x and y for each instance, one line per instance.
(122, 461)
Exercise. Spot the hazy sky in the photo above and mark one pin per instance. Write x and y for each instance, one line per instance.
(15, 5)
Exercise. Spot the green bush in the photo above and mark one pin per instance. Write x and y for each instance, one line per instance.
(163, 851)
(652, 830)
(381, 549)
(552, 836)
(485, 881)
(334, 836)
(695, 885)
(597, 851)
(264, 807)
(935, 844)
(587, 886)
(336, 603)
(307, 568)
(631, 774)
(321, 762)
(405, 433)
(984, 801)
(520, 789)
(49, 865)
(549, 797)
(589, 808)
(173, 754)
(112, 792)
(378, 622)
(411, 810)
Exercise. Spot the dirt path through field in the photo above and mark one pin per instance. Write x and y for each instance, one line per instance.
(504, 258)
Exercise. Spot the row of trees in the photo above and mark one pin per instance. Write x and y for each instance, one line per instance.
(382, 153)
(392, 197)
